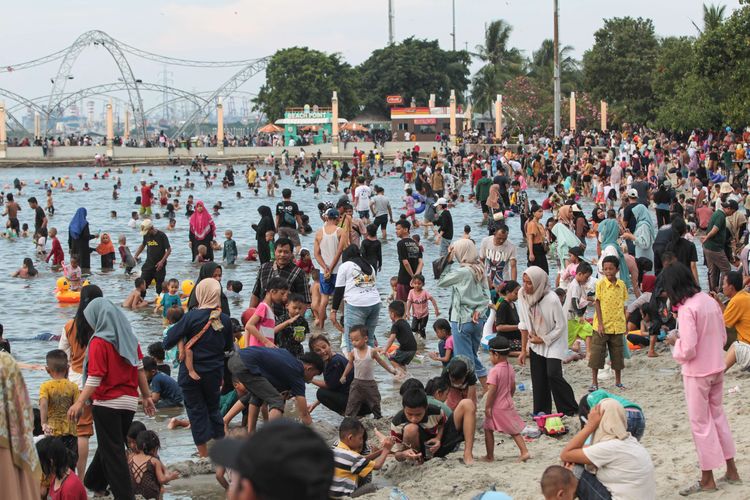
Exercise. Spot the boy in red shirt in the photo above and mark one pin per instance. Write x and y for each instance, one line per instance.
(56, 254)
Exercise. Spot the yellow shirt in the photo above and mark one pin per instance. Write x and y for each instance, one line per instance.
(60, 395)
(251, 176)
(611, 298)
(737, 315)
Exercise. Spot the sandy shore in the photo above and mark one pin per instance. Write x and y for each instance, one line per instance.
(655, 384)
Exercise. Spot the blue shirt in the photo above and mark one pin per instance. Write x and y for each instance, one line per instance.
(278, 366)
(167, 301)
(332, 374)
(167, 388)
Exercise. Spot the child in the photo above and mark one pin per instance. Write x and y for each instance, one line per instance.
(73, 273)
(401, 331)
(364, 388)
(409, 206)
(291, 333)
(27, 270)
(394, 287)
(445, 345)
(169, 299)
(351, 468)
(54, 459)
(24, 230)
(500, 414)
(461, 381)
(233, 289)
(107, 251)
(609, 323)
(315, 295)
(229, 254)
(305, 261)
(260, 328)
(156, 351)
(171, 224)
(126, 258)
(147, 474)
(4, 343)
(50, 203)
(559, 483)
(578, 298)
(270, 234)
(56, 253)
(437, 394)
(371, 248)
(174, 314)
(56, 396)
(135, 300)
(202, 255)
(569, 273)
(136, 427)
(416, 305)
(165, 393)
(133, 222)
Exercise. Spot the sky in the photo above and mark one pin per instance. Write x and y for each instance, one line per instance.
(249, 29)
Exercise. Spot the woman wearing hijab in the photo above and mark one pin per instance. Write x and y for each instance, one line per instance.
(20, 471)
(644, 235)
(623, 467)
(74, 340)
(207, 331)
(209, 270)
(202, 230)
(698, 347)
(79, 237)
(264, 225)
(355, 283)
(112, 374)
(469, 300)
(544, 338)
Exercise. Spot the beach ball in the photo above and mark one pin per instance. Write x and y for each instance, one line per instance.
(63, 284)
(187, 286)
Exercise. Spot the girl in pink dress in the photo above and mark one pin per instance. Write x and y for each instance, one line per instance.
(500, 414)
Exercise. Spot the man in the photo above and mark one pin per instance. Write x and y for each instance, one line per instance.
(158, 250)
(409, 259)
(11, 210)
(146, 198)
(330, 241)
(499, 255)
(266, 372)
(444, 225)
(288, 219)
(40, 219)
(282, 460)
(628, 219)
(362, 199)
(438, 182)
(521, 205)
(284, 267)
(381, 210)
(713, 245)
(737, 316)
(483, 192)
(643, 188)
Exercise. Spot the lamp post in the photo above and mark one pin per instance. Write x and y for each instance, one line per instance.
(453, 33)
(557, 70)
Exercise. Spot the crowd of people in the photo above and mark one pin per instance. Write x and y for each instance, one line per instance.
(655, 199)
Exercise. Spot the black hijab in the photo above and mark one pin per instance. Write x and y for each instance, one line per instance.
(83, 329)
(265, 223)
(352, 254)
(207, 271)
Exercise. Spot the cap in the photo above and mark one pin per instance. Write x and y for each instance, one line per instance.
(731, 204)
(441, 201)
(632, 193)
(143, 181)
(332, 213)
(726, 188)
(146, 226)
(667, 183)
(283, 460)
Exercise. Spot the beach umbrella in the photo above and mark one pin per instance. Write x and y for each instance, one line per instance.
(270, 128)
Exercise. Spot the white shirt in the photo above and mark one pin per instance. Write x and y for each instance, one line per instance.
(624, 467)
(362, 195)
(360, 289)
(556, 340)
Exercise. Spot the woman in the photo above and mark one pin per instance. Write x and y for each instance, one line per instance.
(543, 325)
(112, 375)
(535, 237)
(209, 270)
(212, 333)
(79, 237)
(644, 235)
(623, 466)
(609, 232)
(506, 318)
(663, 198)
(202, 230)
(331, 392)
(264, 225)
(355, 283)
(20, 471)
(74, 340)
(684, 250)
(698, 347)
(469, 300)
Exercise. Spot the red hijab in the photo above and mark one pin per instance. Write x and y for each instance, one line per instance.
(201, 223)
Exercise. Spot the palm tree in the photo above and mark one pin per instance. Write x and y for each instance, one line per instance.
(502, 63)
(541, 67)
(484, 88)
(713, 16)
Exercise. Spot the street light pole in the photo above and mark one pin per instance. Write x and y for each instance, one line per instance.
(391, 20)
(557, 70)
(453, 34)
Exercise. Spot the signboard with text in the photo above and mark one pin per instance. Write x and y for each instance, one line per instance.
(394, 99)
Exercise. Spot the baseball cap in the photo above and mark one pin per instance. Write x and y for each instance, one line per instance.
(283, 460)
(632, 193)
(146, 226)
(332, 213)
(731, 204)
(441, 201)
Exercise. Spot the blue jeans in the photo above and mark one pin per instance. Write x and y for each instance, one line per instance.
(466, 340)
(444, 244)
(360, 315)
(589, 486)
(636, 422)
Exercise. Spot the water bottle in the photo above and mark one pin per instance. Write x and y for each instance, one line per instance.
(521, 387)
(397, 494)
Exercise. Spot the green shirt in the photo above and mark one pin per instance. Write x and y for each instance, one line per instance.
(596, 397)
(440, 404)
(717, 241)
(467, 294)
(483, 188)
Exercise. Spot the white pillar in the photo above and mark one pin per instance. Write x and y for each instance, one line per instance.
(110, 130)
(432, 101)
(572, 111)
(604, 116)
(3, 131)
(335, 123)
(37, 125)
(498, 118)
(220, 128)
(126, 132)
(453, 116)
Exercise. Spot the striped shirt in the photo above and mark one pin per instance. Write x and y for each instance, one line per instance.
(349, 468)
(433, 420)
(115, 379)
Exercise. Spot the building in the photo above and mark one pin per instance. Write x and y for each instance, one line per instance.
(315, 122)
(423, 123)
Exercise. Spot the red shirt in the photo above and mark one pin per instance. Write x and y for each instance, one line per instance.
(119, 377)
(305, 266)
(475, 176)
(70, 489)
(146, 196)
(56, 253)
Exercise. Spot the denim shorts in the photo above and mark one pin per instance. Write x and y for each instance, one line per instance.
(636, 422)
(327, 286)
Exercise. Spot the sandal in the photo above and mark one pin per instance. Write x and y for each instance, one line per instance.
(695, 488)
(726, 480)
(621, 387)
(593, 388)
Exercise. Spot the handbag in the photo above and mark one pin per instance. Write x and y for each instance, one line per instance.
(439, 265)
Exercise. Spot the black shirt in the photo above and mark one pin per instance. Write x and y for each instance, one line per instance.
(39, 220)
(628, 217)
(685, 252)
(372, 252)
(508, 315)
(156, 246)
(642, 187)
(404, 335)
(407, 249)
(445, 223)
(287, 212)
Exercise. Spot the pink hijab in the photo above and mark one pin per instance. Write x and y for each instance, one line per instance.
(201, 223)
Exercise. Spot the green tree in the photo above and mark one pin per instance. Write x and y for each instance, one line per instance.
(415, 69)
(298, 75)
(618, 68)
(713, 15)
(541, 67)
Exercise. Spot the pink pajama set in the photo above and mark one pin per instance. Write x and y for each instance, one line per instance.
(700, 351)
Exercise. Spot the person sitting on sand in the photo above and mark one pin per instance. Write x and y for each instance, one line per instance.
(135, 300)
(422, 431)
(636, 421)
(737, 315)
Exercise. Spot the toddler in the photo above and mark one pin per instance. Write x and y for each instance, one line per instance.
(136, 298)
(229, 254)
(126, 258)
(56, 253)
(107, 251)
(169, 299)
(56, 396)
(147, 474)
(394, 289)
(202, 255)
(558, 483)
(575, 255)
(292, 332)
(156, 351)
(364, 388)
(401, 332)
(55, 461)
(305, 261)
(500, 414)
(174, 314)
(270, 234)
(445, 344)
(416, 305)
(73, 273)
